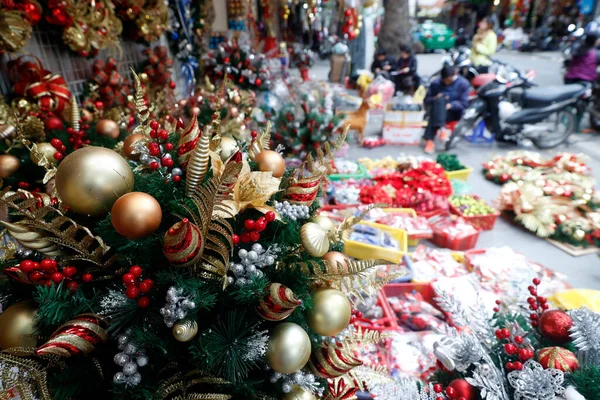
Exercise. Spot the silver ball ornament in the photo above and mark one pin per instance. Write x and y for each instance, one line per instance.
(120, 359)
(130, 368)
(119, 378)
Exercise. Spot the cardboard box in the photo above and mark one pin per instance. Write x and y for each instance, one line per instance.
(339, 67)
(404, 117)
(403, 134)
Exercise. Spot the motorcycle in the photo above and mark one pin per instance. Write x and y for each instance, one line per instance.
(546, 116)
(540, 40)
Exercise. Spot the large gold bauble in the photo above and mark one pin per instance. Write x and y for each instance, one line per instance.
(108, 127)
(288, 348)
(8, 165)
(299, 393)
(335, 257)
(185, 330)
(314, 239)
(17, 325)
(128, 146)
(324, 222)
(86, 115)
(229, 147)
(331, 312)
(269, 160)
(47, 150)
(91, 179)
(135, 215)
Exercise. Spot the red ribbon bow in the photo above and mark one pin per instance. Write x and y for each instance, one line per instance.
(158, 66)
(34, 82)
(110, 82)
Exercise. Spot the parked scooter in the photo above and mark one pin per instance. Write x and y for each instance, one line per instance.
(545, 115)
(540, 40)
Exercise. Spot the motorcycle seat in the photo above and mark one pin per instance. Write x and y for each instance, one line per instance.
(543, 96)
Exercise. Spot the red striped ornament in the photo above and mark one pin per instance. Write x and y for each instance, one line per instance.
(81, 335)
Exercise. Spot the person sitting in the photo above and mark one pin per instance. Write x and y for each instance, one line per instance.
(407, 79)
(582, 67)
(446, 98)
(383, 63)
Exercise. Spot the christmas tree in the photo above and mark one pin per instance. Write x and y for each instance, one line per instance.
(172, 267)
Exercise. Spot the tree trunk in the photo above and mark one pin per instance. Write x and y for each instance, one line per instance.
(395, 30)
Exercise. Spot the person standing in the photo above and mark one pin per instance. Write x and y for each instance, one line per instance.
(484, 46)
(447, 98)
(407, 79)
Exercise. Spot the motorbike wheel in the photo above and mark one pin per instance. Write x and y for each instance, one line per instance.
(595, 122)
(560, 127)
(461, 130)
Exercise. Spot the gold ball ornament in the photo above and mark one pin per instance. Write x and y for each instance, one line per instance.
(314, 239)
(335, 257)
(128, 146)
(234, 112)
(288, 349)
(237, 99)
(185, 330)
(269, 160)
(324, 222)
(91, 179)
(108, 127)
(299, 393)
(135, 215)
(196, 110)
(45, 149)
(229, 147)
(17, 325)
(331, 312)
(8, 165)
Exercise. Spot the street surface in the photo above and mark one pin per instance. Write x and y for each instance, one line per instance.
(582, 272)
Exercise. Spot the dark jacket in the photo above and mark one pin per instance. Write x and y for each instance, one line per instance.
(410, 62)
(380, 64)
(457, 92)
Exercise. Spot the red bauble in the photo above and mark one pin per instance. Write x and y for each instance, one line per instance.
(554, 325)
(559, 358)
(33, 12)
(464, 389)
(258, 82)
(53, 123)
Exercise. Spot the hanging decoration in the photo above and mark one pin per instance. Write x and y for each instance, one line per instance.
(182, 41)
(150, 18)
(111, 85)
(17, 18)
(38, 85)
(352, 23)
(88, 25)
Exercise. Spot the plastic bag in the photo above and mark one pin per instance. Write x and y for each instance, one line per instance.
(383, 87)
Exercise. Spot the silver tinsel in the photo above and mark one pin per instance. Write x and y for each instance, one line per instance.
(251, 263)
(257, 346)
(300, 378)
(534, 382)
(292, 211)
(177, 307)
(129, 359)
(458, 352)
(585, 333)
(113, 302)
(488, 379)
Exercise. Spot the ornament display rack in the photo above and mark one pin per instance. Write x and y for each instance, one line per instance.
(45, 44)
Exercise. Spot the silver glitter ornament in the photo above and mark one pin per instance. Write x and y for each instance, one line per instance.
(534, 382)
(130, 349)
(120, 359)
(135, 379)
(119, 378)
(142, 361)
(130, 368)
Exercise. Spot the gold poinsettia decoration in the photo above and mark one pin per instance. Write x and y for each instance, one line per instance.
(252, 190)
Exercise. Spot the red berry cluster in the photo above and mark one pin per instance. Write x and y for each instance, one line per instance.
(161, 136)
(356, 315)
(254, 228)
(46, 272)
(61, 149)
(135, 286)
(77, 138)
(537, 304)
(514, 348)
(450, 393)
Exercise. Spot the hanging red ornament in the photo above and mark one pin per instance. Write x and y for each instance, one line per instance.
(332, 360)
(81, 335)
(278, 303)
(463, 389)
(559, 358)
(554, 325)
